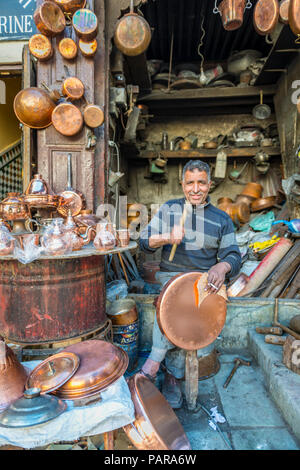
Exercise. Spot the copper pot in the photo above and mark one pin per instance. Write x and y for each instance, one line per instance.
(55, 241)
(123, 237)
(49, 19)
(68, 48)
(73, 88)
(88, 48)
(232, 12)
(122, 312)
(294, 16)
(13, 376)
(70, 6)
(39, 194)
(40, 47)
(263, 203)
(238, 212)
(93, 116)
(86, 219)
(284, 11)
(265, 16)
(72, 199)
(67, 119)
(156, 426)
(13, 207)
(252, 190)
(184, 145)
(34, 107)
(132, 33)
(245, 199)
(85, 24)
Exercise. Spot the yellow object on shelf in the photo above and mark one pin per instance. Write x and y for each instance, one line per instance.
(259, 246)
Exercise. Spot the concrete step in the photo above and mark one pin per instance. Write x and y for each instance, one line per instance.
(282, 383)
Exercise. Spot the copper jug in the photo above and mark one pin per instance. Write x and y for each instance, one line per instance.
(13, 376)
(104, 240)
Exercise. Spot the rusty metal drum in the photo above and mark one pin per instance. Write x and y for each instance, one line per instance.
(51, 299)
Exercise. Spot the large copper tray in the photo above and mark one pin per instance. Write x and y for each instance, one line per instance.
(156, 426)
(183, 323)
(101, 364)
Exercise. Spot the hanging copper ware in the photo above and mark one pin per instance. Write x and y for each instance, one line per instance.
(88, 48)
(67, 119)
(122, 312)
(132, 33)
(32, 409)
(72, 198)
(70, 6)
(13, 207)
(239, 212)
(284, 11)
(183, 322)
(156, 426)
(33, 107)
(263, 203)
(13, 376)
(49, 19)
(40, 47)
(101, 364)
(93, 116)
(294, 16)
(73, 88)
(252, 190)
(68, 48)
(53, 372)
(265, 16)
(85, 24)
(232, 13)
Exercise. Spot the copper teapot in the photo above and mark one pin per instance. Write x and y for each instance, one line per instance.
(55, 239)
(76, 240)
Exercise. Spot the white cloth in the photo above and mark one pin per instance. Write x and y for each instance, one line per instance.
(115, 410)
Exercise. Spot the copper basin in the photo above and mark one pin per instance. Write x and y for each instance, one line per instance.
(252, 190)
(263, 203)
(156, 426)
(33, 107)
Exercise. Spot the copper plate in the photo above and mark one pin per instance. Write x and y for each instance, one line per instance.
(156, 426)
(67, 119)
(53, 372)
(101, 364)
(183, 323)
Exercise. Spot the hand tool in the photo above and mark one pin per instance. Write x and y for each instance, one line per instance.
(265, 330)
(181, 223)
(238, 361)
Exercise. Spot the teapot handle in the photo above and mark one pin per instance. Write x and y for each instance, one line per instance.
(28, 223)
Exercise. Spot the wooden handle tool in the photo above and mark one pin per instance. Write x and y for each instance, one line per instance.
(181, 224)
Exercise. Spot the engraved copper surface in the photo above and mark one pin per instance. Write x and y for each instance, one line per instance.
(13, 207)
(53, 372)
(67, 119)
(156, 426)
(49, 19)
(101, 364)
(183, 323)
(85, 24)
(40, 47)
(68, 48)
(33, 107)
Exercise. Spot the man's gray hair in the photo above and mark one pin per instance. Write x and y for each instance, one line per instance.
(196, 165)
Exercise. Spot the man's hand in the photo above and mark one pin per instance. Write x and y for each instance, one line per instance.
(177, 235)
(216, 276)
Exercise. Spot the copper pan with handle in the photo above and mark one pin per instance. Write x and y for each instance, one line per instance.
(294, 17)
(49, 19)
(72, 199)
(265, 16)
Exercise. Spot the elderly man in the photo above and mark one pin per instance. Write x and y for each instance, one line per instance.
(206, 243)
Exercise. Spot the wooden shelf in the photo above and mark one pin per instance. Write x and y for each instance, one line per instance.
(207, 153)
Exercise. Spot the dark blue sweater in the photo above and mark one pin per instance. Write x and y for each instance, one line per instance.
(209, 237)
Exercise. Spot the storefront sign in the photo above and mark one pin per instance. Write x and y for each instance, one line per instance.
(16, 20)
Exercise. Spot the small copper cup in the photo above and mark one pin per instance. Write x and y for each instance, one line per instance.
(123, 237)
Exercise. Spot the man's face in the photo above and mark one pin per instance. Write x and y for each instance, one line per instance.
(195, 186)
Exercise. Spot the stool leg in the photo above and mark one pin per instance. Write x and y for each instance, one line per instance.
(108, 440)
(191, 379)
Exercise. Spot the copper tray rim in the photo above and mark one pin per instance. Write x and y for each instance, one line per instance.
(73, 356)
(160, 299)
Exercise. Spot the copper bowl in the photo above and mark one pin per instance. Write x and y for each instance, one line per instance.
(88, 48)
(49, 19)
(156, 426)
(85, 24)
(101, 364)
(68, 48)
(33, 107)
(40, 47)
(252, 190)
(184, 323)
(263, 203)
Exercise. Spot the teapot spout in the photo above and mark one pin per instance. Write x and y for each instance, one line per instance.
(87, 236)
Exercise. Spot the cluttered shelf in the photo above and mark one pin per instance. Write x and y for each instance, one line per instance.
(206, 153)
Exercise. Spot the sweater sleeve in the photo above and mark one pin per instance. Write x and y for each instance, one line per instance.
(228, 248)
(155, 227)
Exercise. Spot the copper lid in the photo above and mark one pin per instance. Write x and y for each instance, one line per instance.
(101, 364)
(67, 119)
(184, 323)
(68, 48)
(156, 426)
(53, 372)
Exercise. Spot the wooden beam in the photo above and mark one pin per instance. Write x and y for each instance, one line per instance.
(206, 153)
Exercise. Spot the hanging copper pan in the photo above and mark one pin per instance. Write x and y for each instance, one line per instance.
(184, 323)
(49, 19)
(73, 88)
(156, 426)
(68, 48)
(294, 16)
(67, 119)
(34, 107)
(265, 16)
(88, 48)
(40, 47)
(85, 24)
(132, 33)
(284, 11)
(93, 115)
(232, 13)
(70, 6)
(72, 199)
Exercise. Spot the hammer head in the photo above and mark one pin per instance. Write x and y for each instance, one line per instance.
(241, 361)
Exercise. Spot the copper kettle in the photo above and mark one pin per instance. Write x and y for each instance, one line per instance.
(13, 376)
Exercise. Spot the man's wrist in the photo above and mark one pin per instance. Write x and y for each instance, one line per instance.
(159, 240)
(227, 266)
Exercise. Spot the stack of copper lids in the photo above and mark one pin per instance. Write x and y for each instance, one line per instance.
(81, 370)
